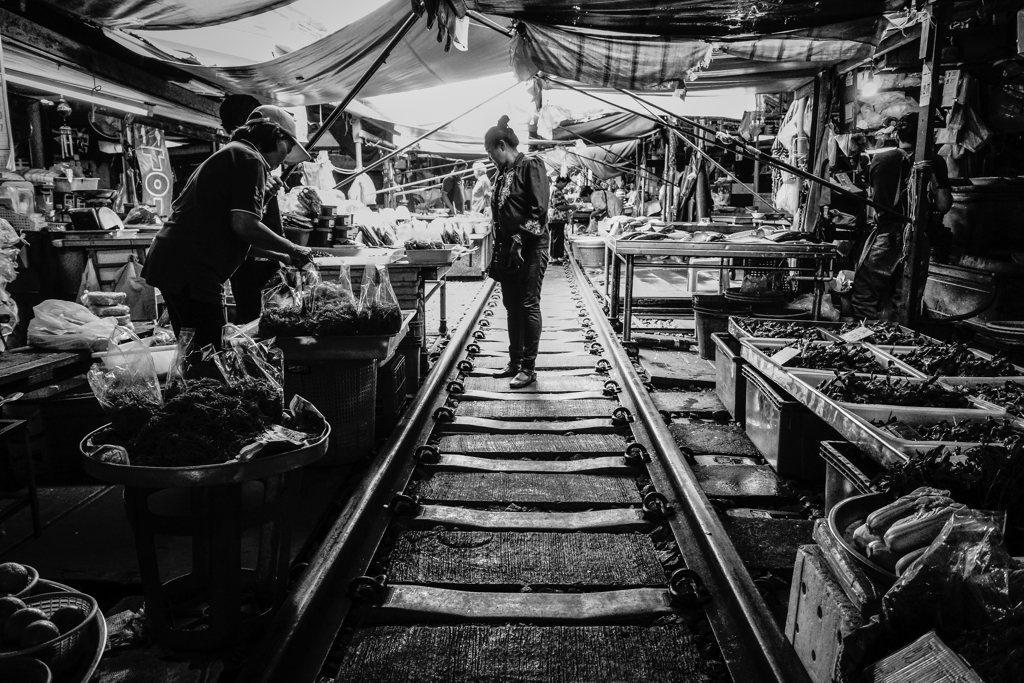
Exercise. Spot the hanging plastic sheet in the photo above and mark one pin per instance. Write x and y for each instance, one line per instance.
(326, 70)
(693, 18)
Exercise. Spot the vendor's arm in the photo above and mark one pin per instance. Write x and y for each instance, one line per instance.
(247, 186)
(251, 231)
(538, 194)
(272, 255)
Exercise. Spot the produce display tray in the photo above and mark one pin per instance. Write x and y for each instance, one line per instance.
(202, 475)
(311, 349)
(897, 351)
(802, 385)
(919, 417)
(431, 257)
(356, 255)
(977, 381)
(770, 346)
(737, 330)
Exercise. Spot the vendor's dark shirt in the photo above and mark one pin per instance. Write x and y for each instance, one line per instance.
(519, 201)
(452, 187)
(889, 174)
(197, 251)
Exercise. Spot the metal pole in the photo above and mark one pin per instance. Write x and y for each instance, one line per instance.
(403, 30)
(423, 137)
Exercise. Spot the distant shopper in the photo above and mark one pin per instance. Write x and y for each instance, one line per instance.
(453, 190)
(519, 206)
(481, 189)
(560, 214)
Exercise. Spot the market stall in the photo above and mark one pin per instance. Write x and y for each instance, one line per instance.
(817, 260)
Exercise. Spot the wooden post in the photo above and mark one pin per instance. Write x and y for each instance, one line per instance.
(819, 157)
(915, 264)
(357, 128)
(35, 140)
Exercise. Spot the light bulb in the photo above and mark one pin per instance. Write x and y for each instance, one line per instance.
(870, 87)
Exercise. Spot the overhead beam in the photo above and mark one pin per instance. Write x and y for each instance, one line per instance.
(57, 46)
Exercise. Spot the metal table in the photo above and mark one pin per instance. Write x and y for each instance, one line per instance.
(619, 252)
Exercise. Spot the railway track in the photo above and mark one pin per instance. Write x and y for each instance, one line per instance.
(554, 533)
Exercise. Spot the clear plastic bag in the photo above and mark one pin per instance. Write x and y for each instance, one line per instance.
(66, 326)
(255, 369)
(960, 583)
(182, 360)
(282, 310)
(126, 386)
(331, 307)
(378, 306)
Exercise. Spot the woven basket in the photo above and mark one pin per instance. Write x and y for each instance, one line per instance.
(346, 393)
(61, 653)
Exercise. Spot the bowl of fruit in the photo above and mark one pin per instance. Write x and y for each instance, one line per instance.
(17, 579)
(48, 627)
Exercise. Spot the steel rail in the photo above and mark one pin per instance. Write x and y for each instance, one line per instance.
(751, 642)
(302, 633)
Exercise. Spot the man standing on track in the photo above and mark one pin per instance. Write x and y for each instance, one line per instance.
(519, 206)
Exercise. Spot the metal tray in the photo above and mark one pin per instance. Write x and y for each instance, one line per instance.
(846, 513)
(203, 475)
(895, 351)
(976, 381)
(840, 416)
(737, 330)
(919, 416)
(431, 257)
(767, 347)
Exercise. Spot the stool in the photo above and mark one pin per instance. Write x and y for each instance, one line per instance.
(219, 603)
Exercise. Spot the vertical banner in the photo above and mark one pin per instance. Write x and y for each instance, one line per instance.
(154, 168)
(6, 132)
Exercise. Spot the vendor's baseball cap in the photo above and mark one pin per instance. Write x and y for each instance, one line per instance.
(283, 120)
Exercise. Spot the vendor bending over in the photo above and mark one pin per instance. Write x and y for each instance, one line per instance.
(519, 206)
(216, 221)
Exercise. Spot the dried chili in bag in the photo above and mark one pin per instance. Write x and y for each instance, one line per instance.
(281, 311)
(378, 306)
(331, 307)
(126, 386)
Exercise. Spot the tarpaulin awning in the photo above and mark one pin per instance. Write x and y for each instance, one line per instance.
(607, 128)
(326, 70)
(164, 14)
(604, 161)
(632, 62)
(690, 18)
(646, 63)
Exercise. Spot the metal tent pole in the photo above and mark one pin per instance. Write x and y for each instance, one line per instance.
(403, 30)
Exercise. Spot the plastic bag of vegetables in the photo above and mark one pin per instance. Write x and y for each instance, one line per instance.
(378, 306)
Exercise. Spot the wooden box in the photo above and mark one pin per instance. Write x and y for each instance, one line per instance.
(821, 621)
